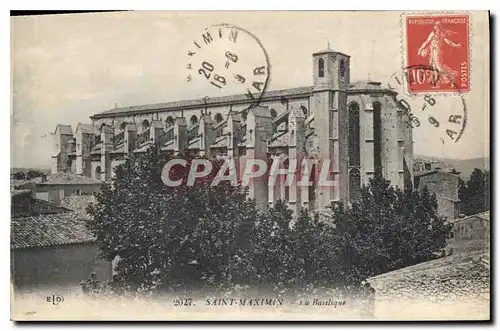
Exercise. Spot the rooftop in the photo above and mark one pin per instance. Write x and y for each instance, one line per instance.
(64, 129)
(48, 230)
(484, 215)
(66, 178)
(236, 99)
(442, 266)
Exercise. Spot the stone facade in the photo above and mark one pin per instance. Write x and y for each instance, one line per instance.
(444, 185)
(357, 126)
(471, 233)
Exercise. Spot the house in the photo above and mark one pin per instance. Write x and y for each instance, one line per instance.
(63, 184)
(51, 247)
(470, 233)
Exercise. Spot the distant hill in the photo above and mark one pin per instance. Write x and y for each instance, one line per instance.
(17, 169)
(465, 167)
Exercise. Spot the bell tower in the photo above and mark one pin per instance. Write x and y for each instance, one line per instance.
(331, 76)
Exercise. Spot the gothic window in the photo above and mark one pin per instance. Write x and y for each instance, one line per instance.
(353, 136)
(342, 69)
(97, 173)
(145, 124)
(312, 188)
(304, 110)
(273, 113)
(321, 68)
(377, 137)
(193, 120)
(218, 118)
(169, 121)
(354, 184)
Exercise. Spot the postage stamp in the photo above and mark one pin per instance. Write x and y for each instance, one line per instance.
(437, 53)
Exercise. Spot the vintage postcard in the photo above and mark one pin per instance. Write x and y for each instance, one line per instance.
(319, 165)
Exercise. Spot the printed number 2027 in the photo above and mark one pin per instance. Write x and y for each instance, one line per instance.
(183, 302)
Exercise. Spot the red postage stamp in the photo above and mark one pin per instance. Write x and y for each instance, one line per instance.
(437, 53)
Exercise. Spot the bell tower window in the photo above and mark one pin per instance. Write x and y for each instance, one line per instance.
(342, 69)
(321, 68)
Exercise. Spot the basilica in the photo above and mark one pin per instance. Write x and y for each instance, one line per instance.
(358, 126)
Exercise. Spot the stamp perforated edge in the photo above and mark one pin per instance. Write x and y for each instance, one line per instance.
(402, 26)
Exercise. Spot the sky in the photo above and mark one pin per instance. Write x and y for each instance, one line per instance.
(66, 68)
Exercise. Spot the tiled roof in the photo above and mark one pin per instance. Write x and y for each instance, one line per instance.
(445, 266)
(48, 230)
(195, 103)
(23, 203)
(64, 129)
(235, 99)
(369, 85)
(66, 178)
(484, 215)
(87, 128)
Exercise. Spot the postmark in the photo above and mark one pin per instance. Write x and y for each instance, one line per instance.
(224, 60)
(446, 115)
(436, 53)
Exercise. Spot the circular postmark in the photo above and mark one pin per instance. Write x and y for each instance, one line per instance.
(225, 60)
(432, 115)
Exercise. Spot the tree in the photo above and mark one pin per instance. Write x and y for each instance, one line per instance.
(168, 237)
(386, 229)
(474, 194)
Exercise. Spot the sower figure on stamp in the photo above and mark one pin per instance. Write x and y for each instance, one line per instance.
(433, 47)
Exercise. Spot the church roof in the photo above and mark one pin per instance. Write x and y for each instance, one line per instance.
(195, 103)
(64, 129)
(86, 128)
(304, 91)
(369, 85)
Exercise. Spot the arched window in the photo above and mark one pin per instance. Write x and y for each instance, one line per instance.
(193, 120)
(97, 174)
(353, 136)
(123, 125)
(218, 118)
(354, 184)
(342, 68)
(145, 124)
(377, 137)
(273, 113)
(169, 121)
(304, 110)
(321, 67)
